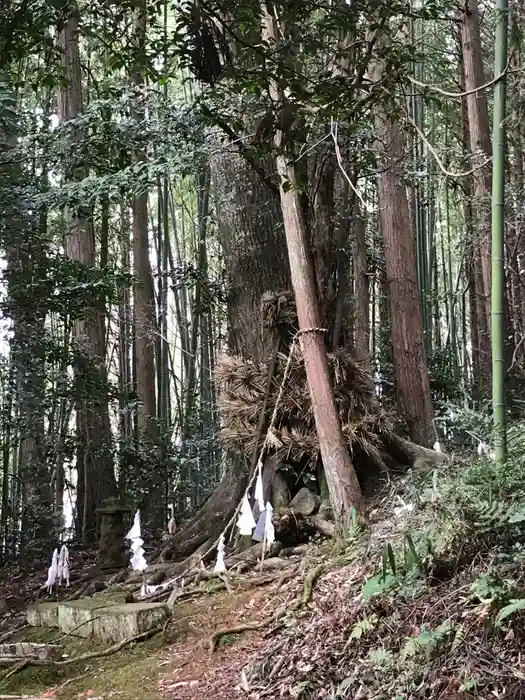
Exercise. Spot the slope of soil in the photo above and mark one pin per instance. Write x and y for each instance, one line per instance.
(426, 603)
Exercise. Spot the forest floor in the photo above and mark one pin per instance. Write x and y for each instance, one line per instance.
(426, 602)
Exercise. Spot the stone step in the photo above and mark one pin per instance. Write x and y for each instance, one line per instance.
(43, 615)
(119, 622)
(10, 653)
(76, 616)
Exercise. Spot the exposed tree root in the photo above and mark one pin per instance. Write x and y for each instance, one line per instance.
(308, 586)
(248, 627)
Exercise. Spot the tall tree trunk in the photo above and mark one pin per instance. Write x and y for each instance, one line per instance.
(144, 295)
(408, 348)
(252, 238)
(361, 293)
(145, 337)
(23, 241)
(343, 485)
(94, 454)
(481, 150)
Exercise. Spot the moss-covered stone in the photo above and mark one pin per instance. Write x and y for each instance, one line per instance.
(76, 617)
(112, 550)
(122, 621)
(43, 615)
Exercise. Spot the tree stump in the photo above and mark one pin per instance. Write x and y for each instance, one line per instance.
(112, 550)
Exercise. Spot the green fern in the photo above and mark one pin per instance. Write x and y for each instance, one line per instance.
(381, 658)
(427, 642)
(363, 627)
(514, 606)
(378, 584)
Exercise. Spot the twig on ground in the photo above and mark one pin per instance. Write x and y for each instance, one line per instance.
(14, 669)
(69, 681)
(93, 654)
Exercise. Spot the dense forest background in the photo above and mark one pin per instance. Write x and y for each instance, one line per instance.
(146, 290)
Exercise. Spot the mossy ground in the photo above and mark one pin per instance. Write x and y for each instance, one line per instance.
(130, 674)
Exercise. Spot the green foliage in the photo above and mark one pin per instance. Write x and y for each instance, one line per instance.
(489, 587)
(363, 627)
(428, 642)
(509, 610)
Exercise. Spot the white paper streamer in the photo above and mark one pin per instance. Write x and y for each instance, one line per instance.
(258, 535)
(135, 530)
(63, 566)
(220, 566)
(259, 495)
(138, 563)
(269, 529)
(246, 521)
(437, 446)
(52, 572)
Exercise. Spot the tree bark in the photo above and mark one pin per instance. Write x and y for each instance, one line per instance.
(410, 364)
(343, 485)
(361, 293)
(94, 460)
(144, 295)
(252, 238)
(481, 151)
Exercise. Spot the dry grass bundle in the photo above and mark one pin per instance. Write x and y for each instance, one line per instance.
(242, 385)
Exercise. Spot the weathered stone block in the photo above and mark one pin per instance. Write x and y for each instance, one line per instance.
(43, 615)
(122, 621)
(9, 653)
(112, 550)
(76, 617)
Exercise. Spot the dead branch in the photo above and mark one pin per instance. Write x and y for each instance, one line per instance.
(92, 654)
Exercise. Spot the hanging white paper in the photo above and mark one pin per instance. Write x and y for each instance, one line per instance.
(52, 572)
(63, 566)
(258, 535)
(246, 521)
(259, 495)
(220, 566)
(269, 529)
(135, 530)
(138, 563)
(437, 446)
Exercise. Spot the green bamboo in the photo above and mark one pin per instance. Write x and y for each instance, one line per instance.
(498, 235)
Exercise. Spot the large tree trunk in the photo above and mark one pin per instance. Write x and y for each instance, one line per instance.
(343, 485)
(25, 262)
(145, 324)
(481, 150)
(96, 476)
(410, 364)
(252, 238)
